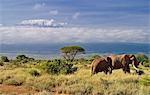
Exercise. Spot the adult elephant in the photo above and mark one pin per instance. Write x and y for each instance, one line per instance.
(101, 65)
(123, 61)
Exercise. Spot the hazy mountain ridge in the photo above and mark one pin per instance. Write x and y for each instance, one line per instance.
(90, 47)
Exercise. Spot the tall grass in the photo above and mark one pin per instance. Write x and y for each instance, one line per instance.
(79, 83)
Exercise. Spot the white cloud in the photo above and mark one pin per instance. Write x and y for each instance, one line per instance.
(53, 12)
(15, 35)
(76, 15)
(42, 23)
(39, 6)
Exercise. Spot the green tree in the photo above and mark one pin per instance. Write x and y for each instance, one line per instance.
(69, 52)
(4, 59)
(142, 57)
(21, 57)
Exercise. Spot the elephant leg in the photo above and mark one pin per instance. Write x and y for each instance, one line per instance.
(128, 69)
(106, 72)
(124, 70)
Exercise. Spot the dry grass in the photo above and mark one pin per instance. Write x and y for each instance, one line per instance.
(79, 83)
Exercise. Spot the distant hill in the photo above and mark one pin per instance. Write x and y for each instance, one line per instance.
(90, 48)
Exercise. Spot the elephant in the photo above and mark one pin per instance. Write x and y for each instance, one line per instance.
(123, 61)
(101, 65)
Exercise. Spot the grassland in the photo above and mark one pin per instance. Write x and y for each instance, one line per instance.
(30, 79)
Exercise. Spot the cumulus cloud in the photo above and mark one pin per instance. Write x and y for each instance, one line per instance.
(76, 15)
(39, 6)
(42, 23)
(53, 12)
(16, 35)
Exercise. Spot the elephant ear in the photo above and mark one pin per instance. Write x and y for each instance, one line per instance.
(109, 60)
(126, 59)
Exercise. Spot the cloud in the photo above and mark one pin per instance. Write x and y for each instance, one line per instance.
(42, 23)
(53, 12)
(76, 15)
(16, 35)
(39, 6)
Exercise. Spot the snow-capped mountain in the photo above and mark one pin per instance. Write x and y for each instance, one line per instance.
(42, 23)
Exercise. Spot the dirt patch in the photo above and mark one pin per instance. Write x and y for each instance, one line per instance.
(10, 89)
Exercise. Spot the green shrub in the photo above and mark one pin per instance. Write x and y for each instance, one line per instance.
(145, 81)
(141, 58)
(59, 67)
(4, 59)
(1, 63)
(17, 81)
(34, 72)
(84, 61)
(23, 59)
(146, 64)
(96, 56)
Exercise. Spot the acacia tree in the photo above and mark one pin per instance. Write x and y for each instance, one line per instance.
(69, 52)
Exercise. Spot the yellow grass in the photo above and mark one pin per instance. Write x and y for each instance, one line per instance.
(79, 83)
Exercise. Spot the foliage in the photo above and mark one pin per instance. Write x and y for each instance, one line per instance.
(59, 67)
(34, 72)
(13, 81)
(4, 59)
(23, 59)
(83, 61)
(146, 64)
(145, 81)
(143, 59)
(79, 83)
(69, 52)
(1, 63)
(95, 56)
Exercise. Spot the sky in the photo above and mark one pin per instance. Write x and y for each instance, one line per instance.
(78, 12)
(87, 21)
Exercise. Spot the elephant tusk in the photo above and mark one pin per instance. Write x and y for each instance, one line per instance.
(135, 67)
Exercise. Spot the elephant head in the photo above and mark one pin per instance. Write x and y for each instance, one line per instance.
(134, 62)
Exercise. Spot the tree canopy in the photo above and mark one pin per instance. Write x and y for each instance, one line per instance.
(4, 59)
(69, 52)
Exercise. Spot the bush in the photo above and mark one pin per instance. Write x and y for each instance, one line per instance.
(17, 81)
(4, 59)
(59, 67)
(146, 64)
(145, 81)
(23, 59)
(1, 63)
(142, 58)
(96, 56)
(34, 72)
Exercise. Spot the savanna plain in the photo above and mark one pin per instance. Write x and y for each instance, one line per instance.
(29, 76)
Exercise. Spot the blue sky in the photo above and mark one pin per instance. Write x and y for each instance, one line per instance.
(110, 13)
